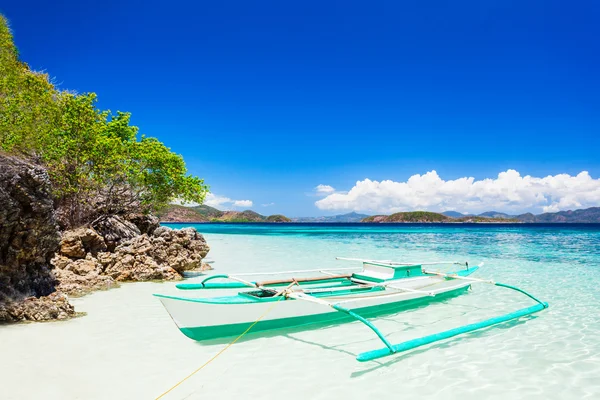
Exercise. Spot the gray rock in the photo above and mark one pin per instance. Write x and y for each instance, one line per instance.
(55, 306)
(144, 222)
(28, 231)
(115, 230)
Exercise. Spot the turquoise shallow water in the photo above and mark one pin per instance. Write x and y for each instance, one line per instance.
(127, 346)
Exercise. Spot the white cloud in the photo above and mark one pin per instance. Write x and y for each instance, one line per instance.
(223, 202)
(324, 189)
(509, 192)
(268, 204)
(216, 201)
(242, 203)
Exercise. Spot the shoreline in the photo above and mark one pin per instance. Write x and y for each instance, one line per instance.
(166, 223)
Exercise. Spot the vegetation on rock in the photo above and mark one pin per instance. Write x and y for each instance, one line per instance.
(97, 163)
(278, 218)
(60, 156)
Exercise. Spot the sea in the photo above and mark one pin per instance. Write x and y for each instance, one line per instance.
(127, 346)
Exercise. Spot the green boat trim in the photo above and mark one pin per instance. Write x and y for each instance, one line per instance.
(239, 285)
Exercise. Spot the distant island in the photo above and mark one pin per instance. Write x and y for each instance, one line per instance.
(429, 217)
(584, 216)
(343, 218)
(204, 213)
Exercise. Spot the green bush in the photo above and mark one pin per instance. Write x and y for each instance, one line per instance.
(96, 161)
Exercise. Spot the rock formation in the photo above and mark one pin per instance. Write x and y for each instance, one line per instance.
(114, 229)
(82, 265)
(28, 239)
(114, 249)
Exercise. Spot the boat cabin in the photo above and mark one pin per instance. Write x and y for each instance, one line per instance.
(375, 272)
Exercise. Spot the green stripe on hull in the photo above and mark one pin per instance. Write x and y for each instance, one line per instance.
(202, 333)
(238, 285)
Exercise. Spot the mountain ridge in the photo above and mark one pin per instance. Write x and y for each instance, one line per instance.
(204, 213)
(342, 218)
(585, 216)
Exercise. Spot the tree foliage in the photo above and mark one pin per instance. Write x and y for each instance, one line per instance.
(27, 99)
(97, 162)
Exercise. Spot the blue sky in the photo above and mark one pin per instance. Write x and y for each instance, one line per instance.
(267, 100)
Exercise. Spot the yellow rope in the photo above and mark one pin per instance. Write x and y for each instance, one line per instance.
(223, 350)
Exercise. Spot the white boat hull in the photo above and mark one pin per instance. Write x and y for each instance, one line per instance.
(206, 319)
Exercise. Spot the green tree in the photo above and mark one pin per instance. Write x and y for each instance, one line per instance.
(99, 166)
(28, 108)
(96, 162)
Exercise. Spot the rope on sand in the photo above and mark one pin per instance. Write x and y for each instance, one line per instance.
(223, 350)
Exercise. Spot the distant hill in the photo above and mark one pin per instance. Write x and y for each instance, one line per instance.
(413, 216)
(588, 215)
(477, 218)
(495, 214)
(488, 214)
(428, 217)
(204, 213)
(278, 218)
(175, 213)
(453, 214)
(584, 216)
(350, 217)
(208, 211)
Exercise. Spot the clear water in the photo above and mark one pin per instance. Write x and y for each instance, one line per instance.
(128, 348)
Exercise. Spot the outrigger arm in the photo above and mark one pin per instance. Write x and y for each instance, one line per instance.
(337, 307)
(390, 349)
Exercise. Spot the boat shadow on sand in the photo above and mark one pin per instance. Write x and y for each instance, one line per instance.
(394, 359)
(290, 333)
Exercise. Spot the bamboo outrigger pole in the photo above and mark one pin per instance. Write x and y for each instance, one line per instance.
(390, 349)
(422, 341)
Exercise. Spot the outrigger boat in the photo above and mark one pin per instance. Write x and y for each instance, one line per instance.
(381, 287)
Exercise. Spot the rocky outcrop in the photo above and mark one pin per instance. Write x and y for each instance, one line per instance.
(79, 242)
(162, 255)
(46, 308)
(29, 238)
(78, 277)
(114, 249)
(144, 222)
(115, 230)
